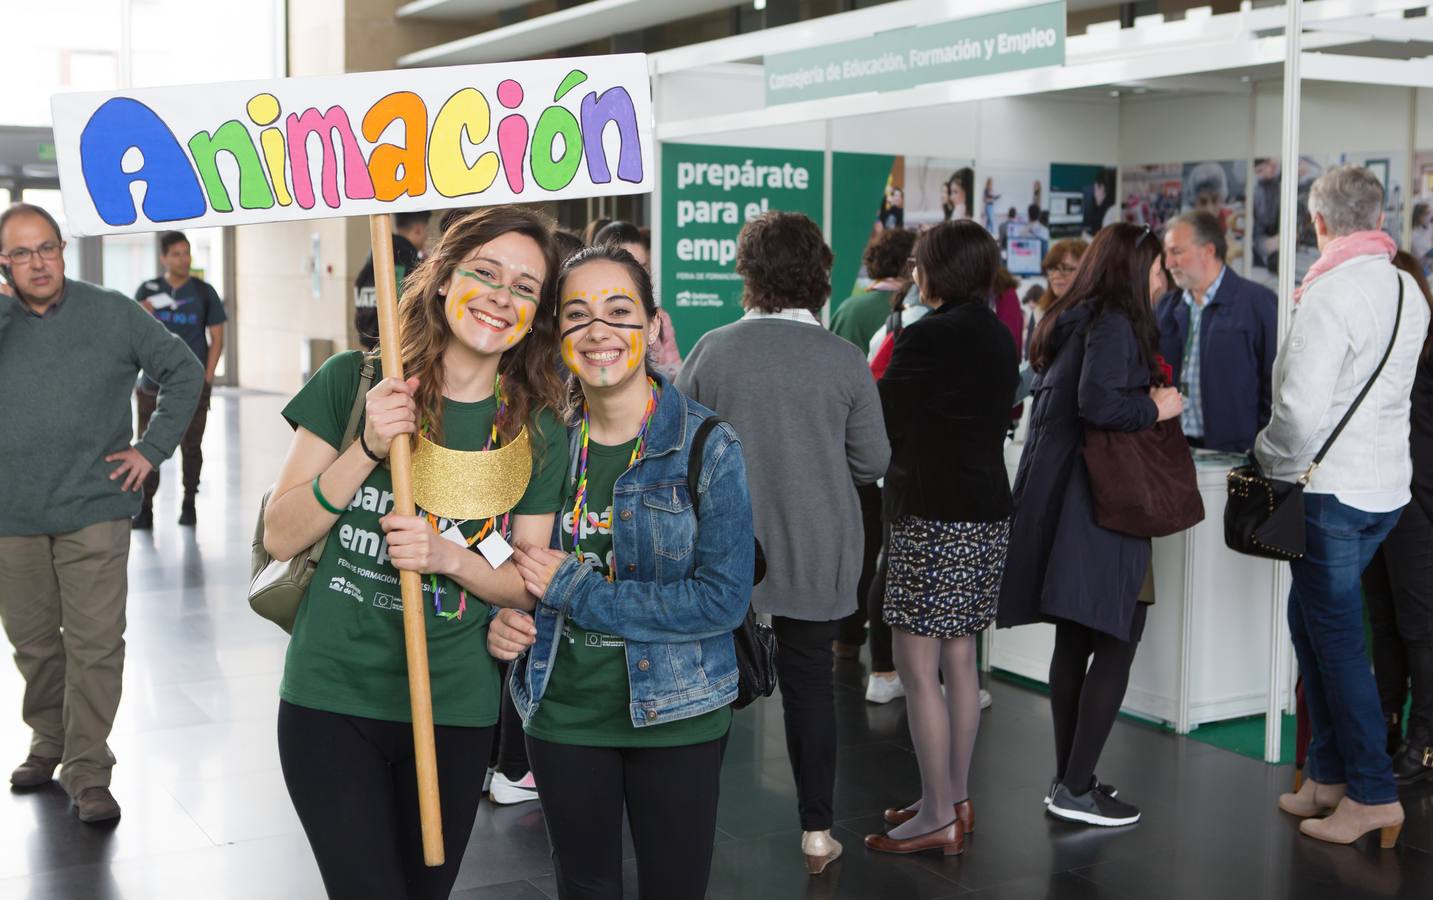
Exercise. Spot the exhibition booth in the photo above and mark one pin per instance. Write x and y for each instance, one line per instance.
(918, 111)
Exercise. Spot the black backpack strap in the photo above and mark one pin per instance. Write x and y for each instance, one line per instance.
(694, 460)
(1368, 386)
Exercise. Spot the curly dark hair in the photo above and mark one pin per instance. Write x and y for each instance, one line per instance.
(888, 252)
(784, 262)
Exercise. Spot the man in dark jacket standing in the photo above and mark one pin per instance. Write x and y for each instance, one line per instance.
(410, 233)
(1218, 332)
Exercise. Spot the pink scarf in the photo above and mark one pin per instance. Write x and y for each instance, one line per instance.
(1342, 249)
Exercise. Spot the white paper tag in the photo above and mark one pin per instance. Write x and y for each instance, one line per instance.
(456, 536)
(160, 301)
(495, 549)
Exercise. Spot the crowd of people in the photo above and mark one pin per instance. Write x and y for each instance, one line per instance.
(589, 659)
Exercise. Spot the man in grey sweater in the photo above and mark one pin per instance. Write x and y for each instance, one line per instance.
(70, 480)
(806, 407)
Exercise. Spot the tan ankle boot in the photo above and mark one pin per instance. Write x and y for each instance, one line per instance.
(1352, 820)
(1313, 799)
(820, 850)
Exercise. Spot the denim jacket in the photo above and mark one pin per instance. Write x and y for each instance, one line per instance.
(680, 590)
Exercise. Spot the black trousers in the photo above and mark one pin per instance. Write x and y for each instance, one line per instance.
(191, 446)
(803, 671)
(871, 589)
(354, 786)
(1398, 591)
(1089, 672)
(670, 795)
(509, 754)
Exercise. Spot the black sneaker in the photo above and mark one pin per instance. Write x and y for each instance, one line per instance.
(187, 515)
(143, 521)
(1091, 808)
(1108, 790)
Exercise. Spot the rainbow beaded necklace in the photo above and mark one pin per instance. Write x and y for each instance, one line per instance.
(580, 515)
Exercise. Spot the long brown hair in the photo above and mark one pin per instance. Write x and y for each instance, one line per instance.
(530, 381)
(1409, 263)
(1113, 277)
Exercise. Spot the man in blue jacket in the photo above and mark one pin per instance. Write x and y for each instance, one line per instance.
(1218, 333)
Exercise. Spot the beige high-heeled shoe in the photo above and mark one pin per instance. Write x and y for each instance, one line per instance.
(1352, 820)
(820, 850)
(1313, 799)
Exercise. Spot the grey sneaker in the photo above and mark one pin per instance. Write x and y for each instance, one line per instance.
(34, 771)
(96, 804)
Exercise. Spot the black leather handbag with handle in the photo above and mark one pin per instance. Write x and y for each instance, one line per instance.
(755, 641)
(1265, 516)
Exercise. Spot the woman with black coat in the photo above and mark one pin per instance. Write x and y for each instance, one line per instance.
(946, 397)
(1097, 367)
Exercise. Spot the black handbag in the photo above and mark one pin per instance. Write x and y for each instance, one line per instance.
(754, 640)
(1265, 516)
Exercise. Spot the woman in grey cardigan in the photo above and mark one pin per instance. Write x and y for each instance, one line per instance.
(811, 425)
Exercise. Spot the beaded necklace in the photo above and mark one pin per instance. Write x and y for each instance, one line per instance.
(580, 515)
(488, 526)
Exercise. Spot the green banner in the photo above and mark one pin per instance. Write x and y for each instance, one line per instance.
(708, 193)
(1026, 38)
(860, 182)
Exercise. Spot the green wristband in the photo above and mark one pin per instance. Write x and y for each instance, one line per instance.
(318, 495)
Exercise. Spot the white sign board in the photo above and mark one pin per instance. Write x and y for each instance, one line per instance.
(347, 145)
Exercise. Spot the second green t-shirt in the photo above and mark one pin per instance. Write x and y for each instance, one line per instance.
(588, 694)
(347, 652)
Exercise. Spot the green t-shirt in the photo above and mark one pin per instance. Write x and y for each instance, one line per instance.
(347, 653)
(858, 318)
(588, 696)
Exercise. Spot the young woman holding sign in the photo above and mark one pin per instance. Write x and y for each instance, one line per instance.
(630, 668)
(478, 339)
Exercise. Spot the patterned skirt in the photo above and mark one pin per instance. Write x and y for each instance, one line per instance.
(943, 578)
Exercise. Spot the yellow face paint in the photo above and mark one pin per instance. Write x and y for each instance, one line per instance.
(636, 350)
(457, 304)
(521, 328)
(569, 354)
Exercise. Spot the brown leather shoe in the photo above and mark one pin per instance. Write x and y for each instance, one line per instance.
(34, 771)
(96, 804)
(964, 814)
(949, 839)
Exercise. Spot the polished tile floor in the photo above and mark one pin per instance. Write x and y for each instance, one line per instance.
(206, 815)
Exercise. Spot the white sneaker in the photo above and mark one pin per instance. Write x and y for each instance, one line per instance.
(488, 780)
(505, 793)
(985, 699)
(880, 689)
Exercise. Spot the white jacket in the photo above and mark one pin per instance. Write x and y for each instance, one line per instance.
(1340, 331)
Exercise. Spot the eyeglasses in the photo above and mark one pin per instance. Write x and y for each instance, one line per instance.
(1066, 270)
(48, 251)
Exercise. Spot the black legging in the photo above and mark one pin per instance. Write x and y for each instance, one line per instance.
(355, 789)
(670, 794)
(509, 754)
(1085, 701)
(871, 588)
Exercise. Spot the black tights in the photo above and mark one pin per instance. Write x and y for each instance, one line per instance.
(670, 795)
(354, 786)
(1085, 701)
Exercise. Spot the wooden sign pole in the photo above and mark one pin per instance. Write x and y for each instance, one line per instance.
(415, 635)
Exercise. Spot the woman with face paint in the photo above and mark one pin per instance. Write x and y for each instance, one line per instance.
(479, 334)
(627, 668)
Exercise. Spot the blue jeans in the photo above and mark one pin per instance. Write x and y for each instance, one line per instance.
(1326, 620)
